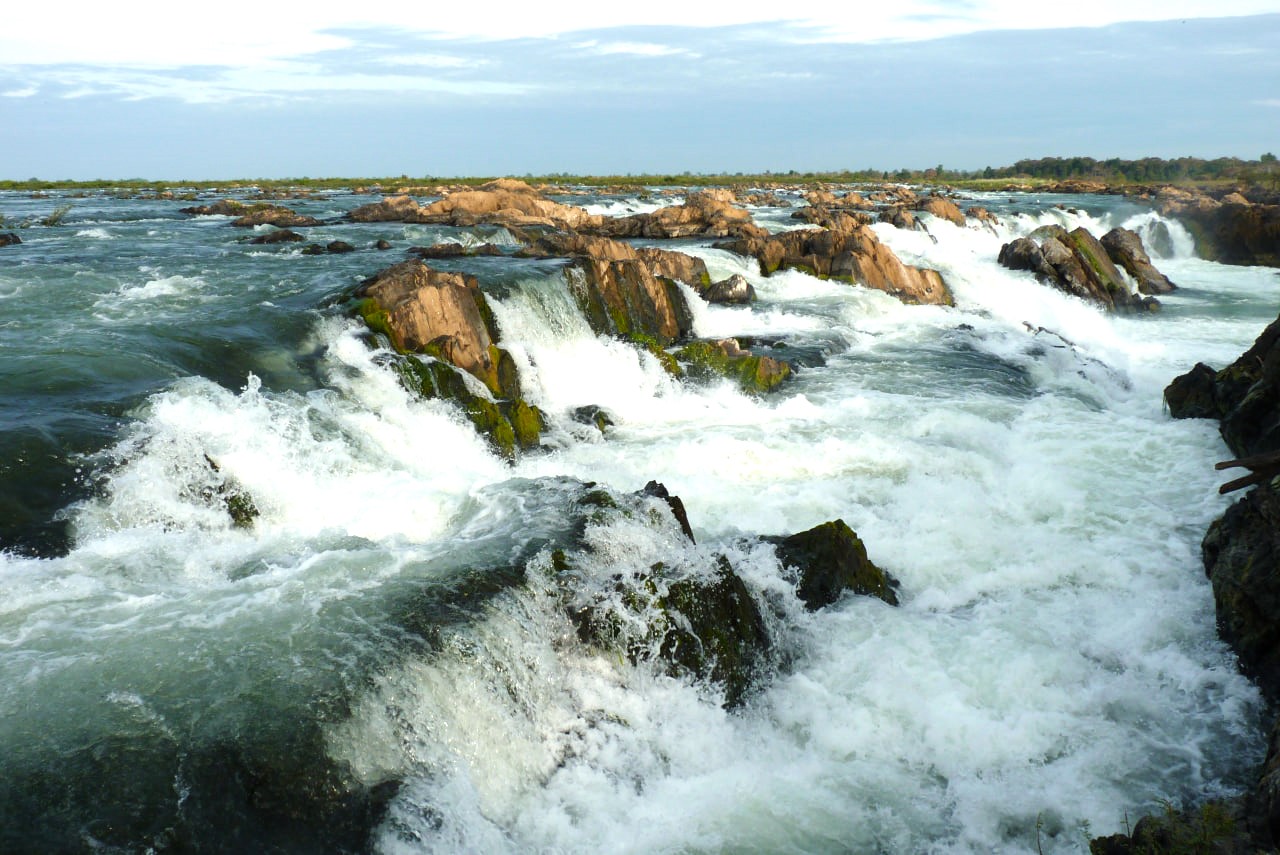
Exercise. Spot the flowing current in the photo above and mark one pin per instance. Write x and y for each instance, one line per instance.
(391, 618)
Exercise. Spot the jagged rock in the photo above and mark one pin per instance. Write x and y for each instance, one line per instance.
(278, 236)
(707, 213)
(659, 491)
(624, 291)
(1245, 396)
(725, 358)
(735, 290)
(1125, 249)
(1077, 264)
(942, 208)
(506, 202)
(1231, 231)
(1242, 559)
(850, 252)
(982, 215)
(899, 217)
(422, 310)
(398, 209)
(831, 559)
(272, 215)
(9, 239)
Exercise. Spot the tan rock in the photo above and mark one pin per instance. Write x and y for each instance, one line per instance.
(943, 209)
(397, 209)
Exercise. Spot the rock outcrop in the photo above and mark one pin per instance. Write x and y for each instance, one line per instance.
(1125, 248)
(706, 213)
(263, 214)
(703, 620)
(942, 208)
(1232, 230)
(1077, 264)
(277, 236)
(734, 291)
(445, 318)
(1244, 396)
(393, 209)
(625, 291)
(1241, 554)
(506, 202)
(848, 251)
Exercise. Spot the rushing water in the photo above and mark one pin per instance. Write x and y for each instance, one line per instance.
(1053, 670)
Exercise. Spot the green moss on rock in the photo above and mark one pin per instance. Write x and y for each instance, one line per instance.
(754, 373)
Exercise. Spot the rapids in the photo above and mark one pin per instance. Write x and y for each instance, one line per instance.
(1052, 673)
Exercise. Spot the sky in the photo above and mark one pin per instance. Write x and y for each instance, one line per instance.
(271, 90)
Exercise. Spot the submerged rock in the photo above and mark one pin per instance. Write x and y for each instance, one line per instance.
(848, 251)
(277, 236)
(9, 239)
(453, 250)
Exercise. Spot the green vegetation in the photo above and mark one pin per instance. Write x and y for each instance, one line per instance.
(1036, 171)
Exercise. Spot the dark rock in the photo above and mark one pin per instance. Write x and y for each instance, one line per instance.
(391, 209)
(9, 239)
(593, 415)
(1025, 254)
(1242, 559)
(222, 207)
(453, 250)
(1074, 263)
(1245, 396)
(735, 290)
(830, 560)
(277, 236)
(338, 247)
(1233, 231)
(659, 491)
(1125, 249)
(382, 244)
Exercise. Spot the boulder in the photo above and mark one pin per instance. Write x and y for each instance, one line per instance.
(263, 214)
(9, 239)
(422, 310)
(942, 208)
(735, 290)
(850, 252)
(277, 236)
(624, 291)
(1125, 248)
(397, 209)
(899, 217)
(333, 247)
(222, 207)
(829, 560)
(382, 244)
(1245, 396)
(725, 358)
(1075, 263)
(982, 215)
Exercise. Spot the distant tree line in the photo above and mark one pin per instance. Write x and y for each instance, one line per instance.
(1147, 170)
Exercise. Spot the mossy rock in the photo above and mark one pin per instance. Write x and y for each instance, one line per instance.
(647, 342)
(527, 423)
(754, 373)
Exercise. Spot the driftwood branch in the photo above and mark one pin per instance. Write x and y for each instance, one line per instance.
(1262, 467)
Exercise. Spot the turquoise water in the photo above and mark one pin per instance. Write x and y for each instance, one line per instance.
(171, 679)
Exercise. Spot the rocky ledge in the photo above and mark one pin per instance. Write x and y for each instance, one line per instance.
(1231, 228)
(1241, 554)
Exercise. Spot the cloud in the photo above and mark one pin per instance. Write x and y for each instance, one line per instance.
(632, 49)
(25, 92)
